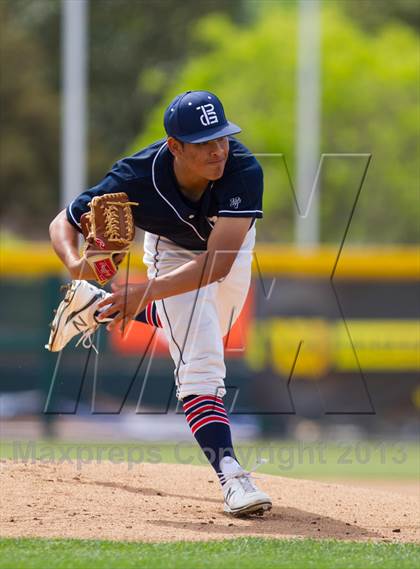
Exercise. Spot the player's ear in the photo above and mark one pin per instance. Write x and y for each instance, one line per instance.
(175, 146)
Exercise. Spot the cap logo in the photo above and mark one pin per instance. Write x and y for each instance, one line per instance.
(208, 114)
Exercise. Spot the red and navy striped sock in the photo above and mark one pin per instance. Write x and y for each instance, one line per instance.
(149, 316)
(209, 423)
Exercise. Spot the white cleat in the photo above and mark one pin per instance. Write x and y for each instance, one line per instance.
(76, 315)
(242, 497)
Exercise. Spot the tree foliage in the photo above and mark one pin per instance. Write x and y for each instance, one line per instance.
(142, 52)
(125, 38)
(29, 130)
(372, 14)
(369, 105)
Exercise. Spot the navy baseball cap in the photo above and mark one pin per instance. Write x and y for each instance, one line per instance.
(197, 116)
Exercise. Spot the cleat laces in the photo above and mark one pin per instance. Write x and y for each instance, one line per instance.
(245, 477)
(86, 340)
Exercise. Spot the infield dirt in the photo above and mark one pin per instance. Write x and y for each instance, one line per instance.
(172, 502)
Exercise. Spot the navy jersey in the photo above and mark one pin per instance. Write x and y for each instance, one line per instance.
(148, 178)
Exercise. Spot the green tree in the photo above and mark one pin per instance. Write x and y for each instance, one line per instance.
(29, 127)
(369, 105)
(372, 14)
(125, 37)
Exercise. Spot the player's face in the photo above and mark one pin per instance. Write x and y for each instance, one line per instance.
(207, 159)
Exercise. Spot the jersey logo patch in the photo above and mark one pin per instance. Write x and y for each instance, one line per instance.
(234, 202)
(208, 115)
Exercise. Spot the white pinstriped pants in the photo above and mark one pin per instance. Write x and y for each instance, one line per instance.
(195, 322)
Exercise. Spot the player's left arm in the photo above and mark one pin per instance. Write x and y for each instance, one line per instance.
(212, 265)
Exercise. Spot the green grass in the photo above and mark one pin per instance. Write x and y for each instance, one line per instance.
(246, 553)
(354, 459)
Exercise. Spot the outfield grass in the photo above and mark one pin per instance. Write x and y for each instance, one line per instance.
(246, 553)
(353, 459)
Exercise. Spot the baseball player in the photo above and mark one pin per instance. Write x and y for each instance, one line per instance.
(199, 193)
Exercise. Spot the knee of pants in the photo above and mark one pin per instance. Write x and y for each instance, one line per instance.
(202, 369)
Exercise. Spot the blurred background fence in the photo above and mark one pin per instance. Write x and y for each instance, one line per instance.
(307, 353)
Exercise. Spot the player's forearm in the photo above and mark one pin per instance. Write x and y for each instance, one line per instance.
(64, 239)
(203, 270)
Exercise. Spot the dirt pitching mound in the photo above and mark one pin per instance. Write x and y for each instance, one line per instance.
(170, 502)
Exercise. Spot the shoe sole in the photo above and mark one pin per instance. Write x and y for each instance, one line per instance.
(253, 509)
